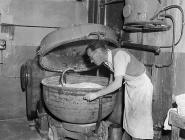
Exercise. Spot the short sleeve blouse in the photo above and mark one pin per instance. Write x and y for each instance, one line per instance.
(120, 62)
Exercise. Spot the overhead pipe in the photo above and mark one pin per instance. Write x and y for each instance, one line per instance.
(141, 47)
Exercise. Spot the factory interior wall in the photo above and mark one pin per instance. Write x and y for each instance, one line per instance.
(167, 81)
(22, 45)
(23, 41)
(179, 64)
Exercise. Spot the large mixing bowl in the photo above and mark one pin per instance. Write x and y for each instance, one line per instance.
(68, 104)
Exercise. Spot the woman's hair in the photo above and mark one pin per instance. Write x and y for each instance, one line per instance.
(96, 45)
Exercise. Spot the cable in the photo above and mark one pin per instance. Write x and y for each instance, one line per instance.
(174, 26)
(173, 43)
(172, 47)
(182, 19)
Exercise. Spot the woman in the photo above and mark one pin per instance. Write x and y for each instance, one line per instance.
(137, 119)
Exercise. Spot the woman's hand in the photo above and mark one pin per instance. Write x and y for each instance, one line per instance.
(90, 96)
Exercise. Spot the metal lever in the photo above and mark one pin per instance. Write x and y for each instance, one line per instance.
(99, 115)
(134, 46)
(61, 79)
(98, 34)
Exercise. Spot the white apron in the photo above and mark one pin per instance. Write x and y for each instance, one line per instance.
(137, 120)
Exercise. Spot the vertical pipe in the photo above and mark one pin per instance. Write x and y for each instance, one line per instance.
(105, 14)
(99, 115)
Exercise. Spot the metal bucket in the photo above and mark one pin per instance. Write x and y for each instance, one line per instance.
(68, 104)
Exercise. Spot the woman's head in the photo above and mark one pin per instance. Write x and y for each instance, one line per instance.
(96, 52)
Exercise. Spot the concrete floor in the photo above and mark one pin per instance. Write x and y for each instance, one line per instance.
(17, 129)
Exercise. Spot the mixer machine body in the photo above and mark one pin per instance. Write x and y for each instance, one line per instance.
(60, 50)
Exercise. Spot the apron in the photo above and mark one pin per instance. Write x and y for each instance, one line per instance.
(137, 118)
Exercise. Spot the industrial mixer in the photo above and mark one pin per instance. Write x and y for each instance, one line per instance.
(60, 111)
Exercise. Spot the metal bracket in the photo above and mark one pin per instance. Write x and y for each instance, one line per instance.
(97, 35)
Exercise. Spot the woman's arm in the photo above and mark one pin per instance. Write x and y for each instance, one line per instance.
(116, 84)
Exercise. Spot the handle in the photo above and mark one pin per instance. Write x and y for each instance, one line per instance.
(99, 115)
(141, 47)
(98, 34)
(61, 79)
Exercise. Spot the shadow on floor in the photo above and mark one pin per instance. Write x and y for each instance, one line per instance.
(17, 129)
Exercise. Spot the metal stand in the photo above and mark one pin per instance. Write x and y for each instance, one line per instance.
(63, 130)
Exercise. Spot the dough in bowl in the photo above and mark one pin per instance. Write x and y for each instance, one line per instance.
(84, 85)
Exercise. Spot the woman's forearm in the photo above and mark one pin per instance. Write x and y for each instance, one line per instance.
(109, 89)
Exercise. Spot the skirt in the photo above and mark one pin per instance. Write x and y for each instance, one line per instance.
(137, 118)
